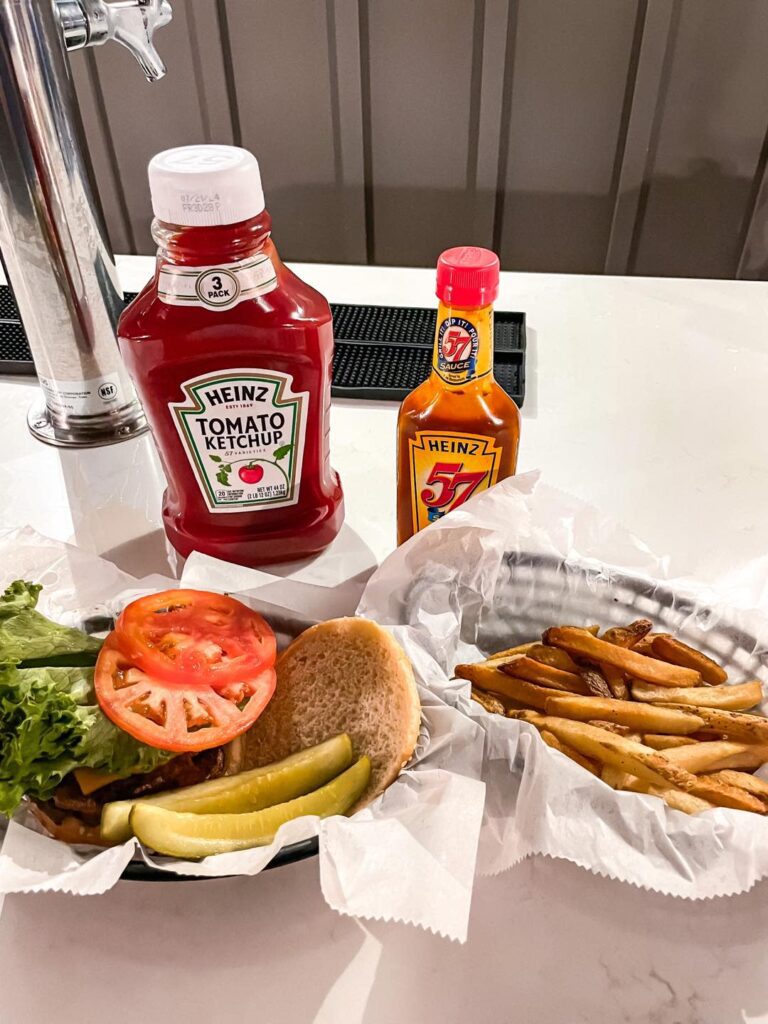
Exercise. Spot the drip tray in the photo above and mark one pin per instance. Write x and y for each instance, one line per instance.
(382, 352)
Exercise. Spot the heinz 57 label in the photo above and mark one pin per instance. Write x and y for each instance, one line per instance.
(446, 469)
(463, 349)
(243, 433)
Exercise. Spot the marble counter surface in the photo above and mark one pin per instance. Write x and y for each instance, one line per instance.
(645, 397)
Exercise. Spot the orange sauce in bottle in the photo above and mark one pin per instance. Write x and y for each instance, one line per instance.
(457, 432)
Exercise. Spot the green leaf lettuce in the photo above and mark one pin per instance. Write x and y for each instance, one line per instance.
(27, 635)
(50, 724)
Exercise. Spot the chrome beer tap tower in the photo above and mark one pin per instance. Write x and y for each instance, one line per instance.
(53, 239)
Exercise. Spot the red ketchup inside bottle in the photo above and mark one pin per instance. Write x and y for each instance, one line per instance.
(231, 356)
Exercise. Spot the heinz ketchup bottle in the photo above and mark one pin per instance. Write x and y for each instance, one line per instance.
(231, 356)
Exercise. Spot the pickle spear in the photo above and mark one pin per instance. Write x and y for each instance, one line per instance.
(180, 834)
(249, 791)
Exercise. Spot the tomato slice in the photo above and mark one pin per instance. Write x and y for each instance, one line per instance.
(176, 716)
(177, 634)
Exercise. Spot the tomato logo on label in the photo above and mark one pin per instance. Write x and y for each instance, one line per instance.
(251, 474)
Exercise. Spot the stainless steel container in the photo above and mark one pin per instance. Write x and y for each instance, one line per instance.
(52, 234)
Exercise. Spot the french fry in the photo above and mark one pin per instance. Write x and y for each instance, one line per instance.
(620, 730)
(636, 716)
(739, 697)
(553, 656)
(731, 725)
(659, 742)
(552, 741)
(592, 630)
(595, 682)
(632, 707)
(498, 662)
(608, 748)
(616, 778)
(752, 784)
(711, 757)
(675, 651)
(486, 700)
(544, 675)
(617, 684)
(628, 636)
(677, 799)
(497, 682)
(622, 636)
(645, 646)
(511, 652)
(723, 795)
(534, 718)
(577, 641)
(754, 756)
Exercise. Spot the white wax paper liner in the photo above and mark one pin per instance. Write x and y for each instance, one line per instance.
(408, 857)
(523, 556)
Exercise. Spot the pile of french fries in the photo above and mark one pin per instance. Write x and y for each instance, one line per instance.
(641, 710)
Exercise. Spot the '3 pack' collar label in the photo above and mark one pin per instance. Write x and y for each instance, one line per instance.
(219, 287)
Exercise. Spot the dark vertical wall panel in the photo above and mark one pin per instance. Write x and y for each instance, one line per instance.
(211, 71)
(285, 59)
(753, 264)
(711, 133)
(650, 64)
(568, 84)
(143, 118)
(496, 28)
(626, 136)
(420, 63)
(350, 238)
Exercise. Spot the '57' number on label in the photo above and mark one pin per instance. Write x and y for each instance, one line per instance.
(456, 344)
(448, 485)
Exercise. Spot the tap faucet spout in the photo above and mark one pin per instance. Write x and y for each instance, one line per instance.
(130, 22)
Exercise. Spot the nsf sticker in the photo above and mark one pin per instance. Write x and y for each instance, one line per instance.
(457, 344)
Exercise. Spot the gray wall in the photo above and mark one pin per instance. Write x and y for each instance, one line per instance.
(616, 136)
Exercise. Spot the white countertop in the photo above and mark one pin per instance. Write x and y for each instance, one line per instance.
(645, 397)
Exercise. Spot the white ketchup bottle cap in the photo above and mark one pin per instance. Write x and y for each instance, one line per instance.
(198, 186)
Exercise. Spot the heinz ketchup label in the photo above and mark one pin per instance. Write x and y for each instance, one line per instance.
(243, 432)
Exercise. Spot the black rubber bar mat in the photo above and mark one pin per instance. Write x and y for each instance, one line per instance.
(382, 352)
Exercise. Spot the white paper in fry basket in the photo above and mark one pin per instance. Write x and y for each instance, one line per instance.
(522, 557)
(409, 857)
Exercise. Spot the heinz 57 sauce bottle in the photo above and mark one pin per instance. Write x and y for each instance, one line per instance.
(458, 431)
(231, 356)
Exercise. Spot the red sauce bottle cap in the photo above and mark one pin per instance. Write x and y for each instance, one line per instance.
(468, 277)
